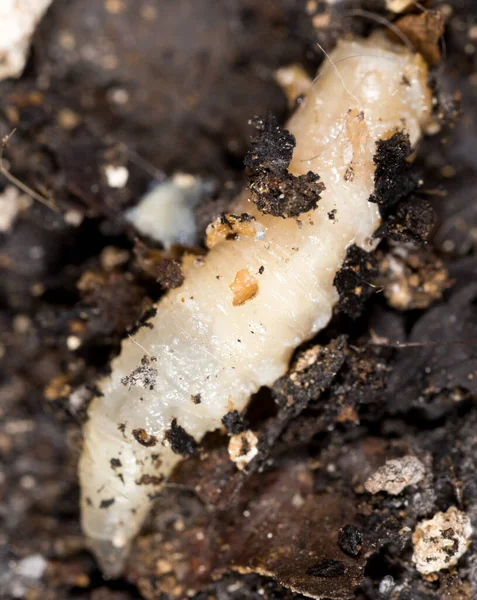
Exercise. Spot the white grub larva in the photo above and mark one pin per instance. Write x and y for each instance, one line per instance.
(205, 343)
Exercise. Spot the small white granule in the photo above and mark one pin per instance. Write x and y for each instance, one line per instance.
(117, 177)
(166, 213)
(395, 475)
(18, 20)
(32, 566)
(440, 542)
(398, 6)
(243, 448)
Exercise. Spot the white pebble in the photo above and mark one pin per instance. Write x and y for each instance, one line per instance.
(440, 542)
(32, 566)
(243, 448)
(117, 177)
(395, 475)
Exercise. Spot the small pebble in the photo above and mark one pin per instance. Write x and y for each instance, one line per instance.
(395, 475)
(440, 542)
(350, 540)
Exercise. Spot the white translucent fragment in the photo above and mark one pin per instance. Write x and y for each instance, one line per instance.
(440, 542)
(166, 214)
(18, 20)
(203, 344)
(12, 202)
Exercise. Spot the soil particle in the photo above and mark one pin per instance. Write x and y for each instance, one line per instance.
(144, 376)
(412, 279)
(424, 32)
(350, 540)
(234, 422)
(354, 281)
(395, 475)
(150, 480)
(394, 177)
(440, 542)
(180, 441)
(164, 269)
(143, 438)
(413, 222)
(274, 190)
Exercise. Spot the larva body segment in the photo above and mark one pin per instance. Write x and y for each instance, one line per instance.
(205, 346)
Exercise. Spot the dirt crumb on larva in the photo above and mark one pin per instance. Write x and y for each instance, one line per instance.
(230, 227)
(244, 287)
(150, 480)
(107, 503)
(196, 398)
(145, 439)
(144, 376)
(274, 190)
(180, 441)
(394, 177)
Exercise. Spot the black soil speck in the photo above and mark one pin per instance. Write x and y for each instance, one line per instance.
(234, 423)
(327, 568)
(196, 398)
(394, 178)
(181, 442)
(106, 503)
(350, 540)
(354, 281)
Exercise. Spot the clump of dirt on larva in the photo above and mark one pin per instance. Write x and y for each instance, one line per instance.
(355, 281)
(394, 178)
(275, 191)
(180, 441)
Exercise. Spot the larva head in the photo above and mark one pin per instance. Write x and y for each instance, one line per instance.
(384, 83)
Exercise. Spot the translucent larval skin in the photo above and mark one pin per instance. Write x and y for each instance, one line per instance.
(200, 342)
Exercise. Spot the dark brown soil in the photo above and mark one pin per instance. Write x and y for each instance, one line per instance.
(159, 86)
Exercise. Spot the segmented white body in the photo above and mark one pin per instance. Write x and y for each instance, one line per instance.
(201, 343)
